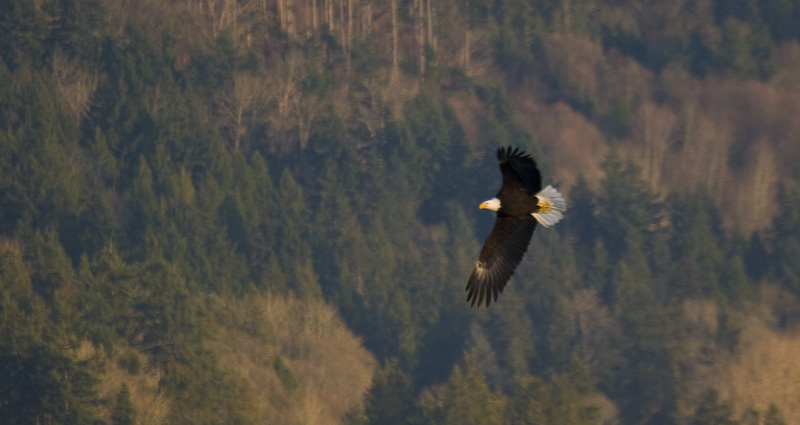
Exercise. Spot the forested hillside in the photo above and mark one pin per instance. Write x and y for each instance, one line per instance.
(258, 211)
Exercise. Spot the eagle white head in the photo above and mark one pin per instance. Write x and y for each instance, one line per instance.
(491, 205)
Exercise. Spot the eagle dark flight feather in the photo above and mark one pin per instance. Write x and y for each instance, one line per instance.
(519, 169)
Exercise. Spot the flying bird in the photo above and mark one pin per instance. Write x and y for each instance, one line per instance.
(520, 204)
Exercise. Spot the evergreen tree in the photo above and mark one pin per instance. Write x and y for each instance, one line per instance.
(582, 226)
(391, 398)
(562, 401)
(295, 254)
(644, 382)
(123, 412)
(756, 258)
(712, 411)
(125, 220)
(626, 207)
(22, 30)
(468, 399)
(696, 244)
(773, 416)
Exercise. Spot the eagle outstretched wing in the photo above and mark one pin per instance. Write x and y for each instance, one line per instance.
(501, 254)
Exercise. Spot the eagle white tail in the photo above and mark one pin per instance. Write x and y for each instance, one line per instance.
(551, 206)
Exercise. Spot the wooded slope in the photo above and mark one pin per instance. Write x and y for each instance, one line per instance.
(265, 211)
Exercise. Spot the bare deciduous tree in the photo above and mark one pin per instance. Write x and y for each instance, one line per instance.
(240, 105)
(597, 329)
(653, 132)
(75, 84)
(305, 110)
(314, 16)
(574, 62)
(703, 152)
(370, 107)
(294, 109)
(304, 331)
(419, 31)
(577, 143)
(756, 197)
(237, 15)
(286, 17)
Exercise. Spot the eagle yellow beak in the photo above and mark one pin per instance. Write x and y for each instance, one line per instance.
(483, 205)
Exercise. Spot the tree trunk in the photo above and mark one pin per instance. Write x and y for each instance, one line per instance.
(342, 24)
(420, 33)
(430, 25)
(346, 31)
(233, 16)
(394, 40)
(466, 50)
(349, 24)
(314, 20)
(291, 18)
(282, 14)
(331, 23)
(366, 20)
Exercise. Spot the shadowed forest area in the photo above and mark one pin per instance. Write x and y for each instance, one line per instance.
(265, 211)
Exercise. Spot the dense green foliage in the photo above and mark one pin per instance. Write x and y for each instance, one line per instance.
(129, 198)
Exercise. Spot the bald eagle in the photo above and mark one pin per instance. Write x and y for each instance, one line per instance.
(520, 204)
